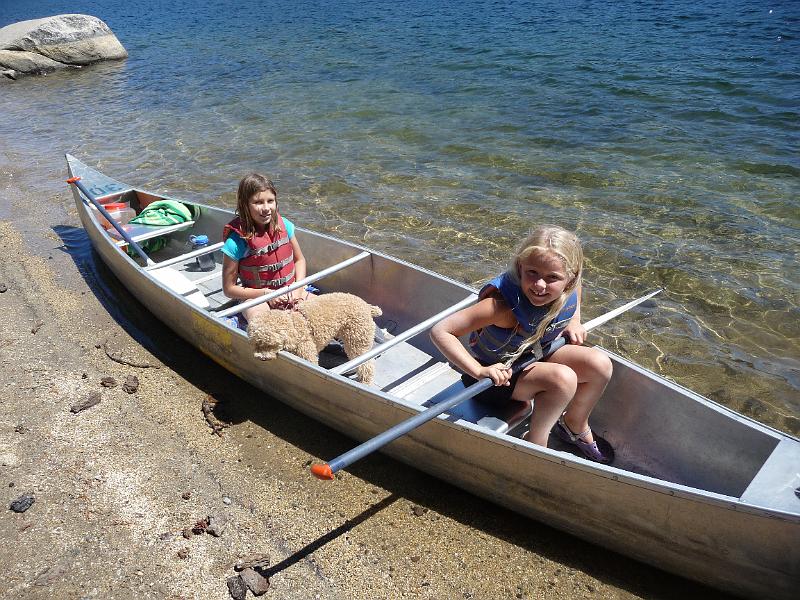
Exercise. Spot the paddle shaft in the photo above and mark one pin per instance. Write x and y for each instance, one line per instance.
(326, 471)
(76, 181)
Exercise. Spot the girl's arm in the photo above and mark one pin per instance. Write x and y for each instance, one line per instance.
(445, 334)
(299, 269)
(230, 285)
(575, 332)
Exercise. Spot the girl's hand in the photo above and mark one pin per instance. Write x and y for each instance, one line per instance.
(575, 332)
(498, 373)
(299, 294)
(282, 302)
(289, 301)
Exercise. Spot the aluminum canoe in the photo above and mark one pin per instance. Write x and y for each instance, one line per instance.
(696, 489)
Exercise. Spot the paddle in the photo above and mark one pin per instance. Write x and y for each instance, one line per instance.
(327, 470)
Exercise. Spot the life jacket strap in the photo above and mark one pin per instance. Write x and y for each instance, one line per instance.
(259, 283)
(271, 247)
(270, 268)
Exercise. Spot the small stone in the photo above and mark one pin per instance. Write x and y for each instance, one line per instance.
(226, 501)
(415, 559)
(21, 429)
(418, 510)
(3, 288)
(187, 533)
(200, 527)
(23, 503)
(88, 402)
(131, 384)
(253, 561)
(84, 376)
(236, 587)
(108, 382)
(255, 581)
(37, 326)
(216, 525)
(166, 536)
(183, 553)
(186, 495)
(590, 587)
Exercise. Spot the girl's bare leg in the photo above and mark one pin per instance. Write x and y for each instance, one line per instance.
(553, 386)
(593, 370)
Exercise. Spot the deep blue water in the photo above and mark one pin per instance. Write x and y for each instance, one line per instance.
(666, 134)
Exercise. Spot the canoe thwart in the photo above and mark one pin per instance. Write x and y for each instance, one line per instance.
(402, 337)
(139, 233)
(185, 257)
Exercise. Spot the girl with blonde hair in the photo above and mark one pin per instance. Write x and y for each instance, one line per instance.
(520, 313)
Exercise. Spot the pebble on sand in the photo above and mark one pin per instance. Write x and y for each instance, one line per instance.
(87, 402)
(131, 384)
(23, 503)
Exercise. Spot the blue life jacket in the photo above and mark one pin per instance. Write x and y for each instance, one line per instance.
(492, 344)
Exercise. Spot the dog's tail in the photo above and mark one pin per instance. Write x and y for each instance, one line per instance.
(375, 310)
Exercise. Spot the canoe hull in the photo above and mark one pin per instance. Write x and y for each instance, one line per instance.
(710, 536)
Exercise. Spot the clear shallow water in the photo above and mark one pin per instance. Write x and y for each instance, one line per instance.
(667, 136)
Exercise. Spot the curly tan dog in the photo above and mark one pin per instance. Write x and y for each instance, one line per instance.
(312, 325)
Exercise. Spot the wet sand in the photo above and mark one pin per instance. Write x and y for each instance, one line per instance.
(117, 484)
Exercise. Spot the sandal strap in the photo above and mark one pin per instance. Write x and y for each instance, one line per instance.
(574, 436)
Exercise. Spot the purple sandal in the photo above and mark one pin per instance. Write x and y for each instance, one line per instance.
(590, 450)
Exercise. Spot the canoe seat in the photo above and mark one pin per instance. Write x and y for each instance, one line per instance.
(140, 233)
(499, 418)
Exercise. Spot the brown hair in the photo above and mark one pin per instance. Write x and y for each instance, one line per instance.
(250, 185)
(544, 240)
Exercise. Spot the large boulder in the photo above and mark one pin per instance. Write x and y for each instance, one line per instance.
(68, 39)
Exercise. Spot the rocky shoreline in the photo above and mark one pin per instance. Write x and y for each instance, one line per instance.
(177, 480)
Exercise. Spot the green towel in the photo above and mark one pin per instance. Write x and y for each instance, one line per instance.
(160, 213)
(163, 212)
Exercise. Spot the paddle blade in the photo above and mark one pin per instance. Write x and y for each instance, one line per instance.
(322, 471)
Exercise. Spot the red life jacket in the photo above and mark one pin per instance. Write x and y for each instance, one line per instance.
(270, 263)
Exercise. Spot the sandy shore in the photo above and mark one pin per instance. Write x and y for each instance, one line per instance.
(117, 485)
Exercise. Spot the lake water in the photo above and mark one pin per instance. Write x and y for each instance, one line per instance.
(665, 134)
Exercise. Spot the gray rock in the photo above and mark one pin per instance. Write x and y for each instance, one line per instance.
(131, 384)
(216, 524)
(87, 402)
(22, 503)
(70, 39)
(255, 581)
(236, 588)
(28, 63)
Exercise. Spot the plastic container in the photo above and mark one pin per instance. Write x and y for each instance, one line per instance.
(121, 212)
(205, 262)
